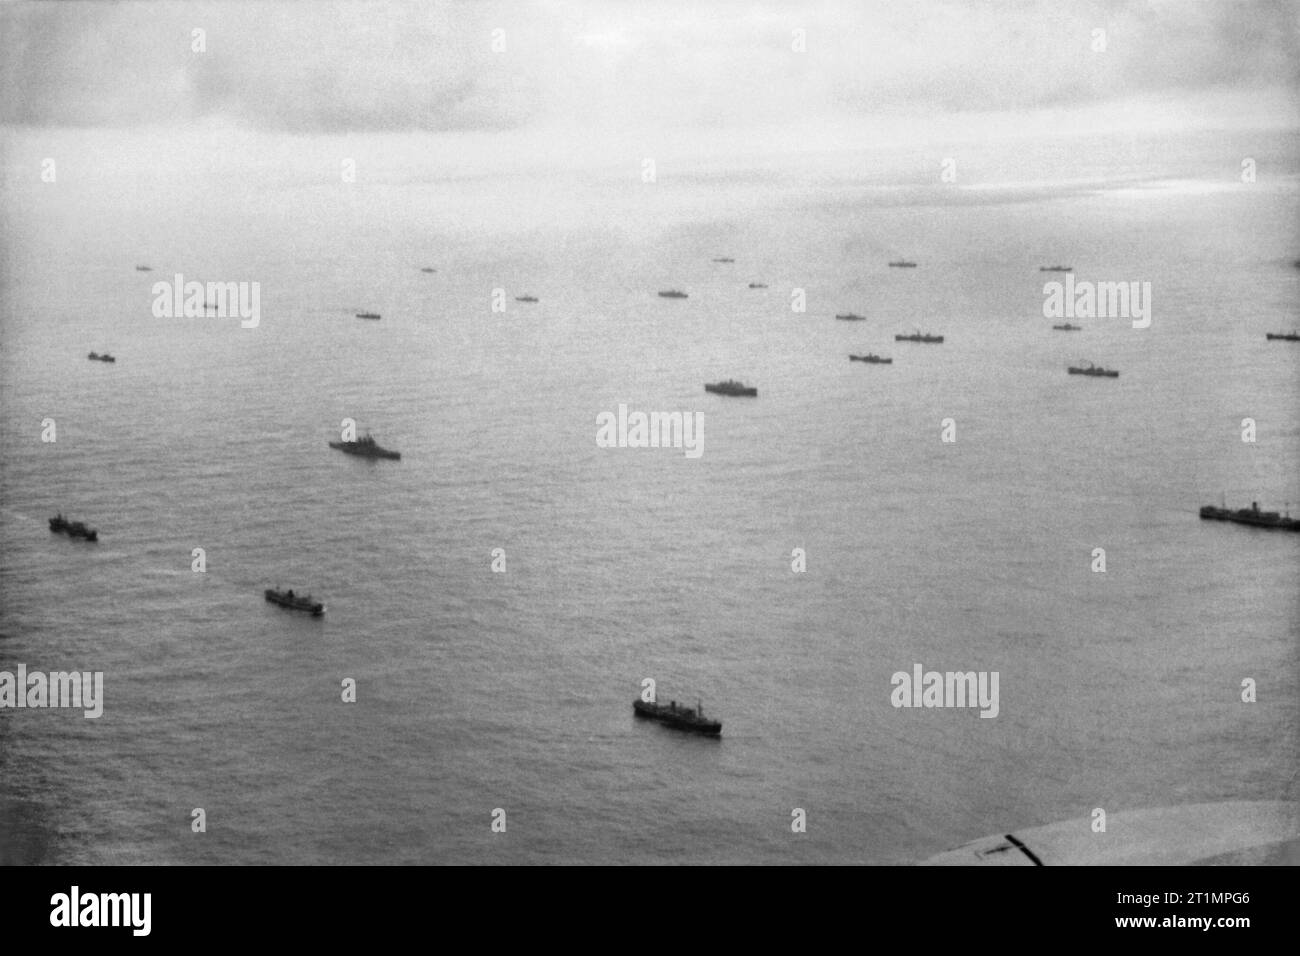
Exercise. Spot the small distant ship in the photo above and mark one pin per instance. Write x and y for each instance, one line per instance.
(96, 357)
(681, 718)
(758, 285)
(143, 269)
(428, 269)
(295, 602)
(672, 294)
(730, 387)
(918, 337)
(369, 315)
(366, 447)
(1067, 327)
(724, 259)
(902, 264)
(1094, 370)
(850, 317)
(525, 298)
(73, 529)
(1252, 516)
(1283, 336)
(1056, 268)
(873, 359)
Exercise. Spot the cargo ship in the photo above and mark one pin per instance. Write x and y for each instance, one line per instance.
(1253, 517)
(73, 529)
(295, 602)
(365, 447)
(1096, 371)
(680, 718)
(730, 387)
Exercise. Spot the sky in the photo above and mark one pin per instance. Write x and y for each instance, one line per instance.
(615, 68)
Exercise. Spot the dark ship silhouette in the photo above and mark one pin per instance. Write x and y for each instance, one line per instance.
(294, 602)
(680, 718)
(1095, 371)
(730, 387)
(872, 359)
(1252, 516)
(73, 529)
(366, 447)
(918, 337)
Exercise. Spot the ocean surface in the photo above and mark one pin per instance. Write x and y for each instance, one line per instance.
(479, 690)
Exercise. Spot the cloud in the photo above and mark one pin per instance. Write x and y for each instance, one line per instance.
(306, 67)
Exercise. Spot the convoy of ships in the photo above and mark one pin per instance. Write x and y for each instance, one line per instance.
(686, 718)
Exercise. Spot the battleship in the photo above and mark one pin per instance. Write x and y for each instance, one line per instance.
(366, 447)
(682, 718)
(294, 602)
(850, 317)
(1096, 371)
(1252, 516)
(96, 357)
(1283, 336)
(730, 387)
(368, 315)
(902, 264)
(672, 294)
(1056, 268)
(872, 359)
(918, 337)
(1067, 327)
(73, 529)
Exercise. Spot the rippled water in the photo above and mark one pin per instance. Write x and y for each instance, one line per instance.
(479, 690)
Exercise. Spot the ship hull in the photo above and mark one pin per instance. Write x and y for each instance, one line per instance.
(738, 392)
(678, 718)
(366, 453)
(871, 360)
(314, 608)
(932, 340)
(1269, 520)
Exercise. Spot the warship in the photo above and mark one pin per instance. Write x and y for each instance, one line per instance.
(850, 317)
(368, 315)
(1283, 336)
(758, 285)
(525, 298)
(1056, 268)
(730, 387)
(681, 718)
(918, 337)
(902, 264)
(1067, 327)
(872, 359)
(672, 294)
(366, 447)
(294, 602)
(96, 357)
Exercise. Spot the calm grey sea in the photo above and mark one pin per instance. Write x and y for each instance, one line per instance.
(479, 690)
